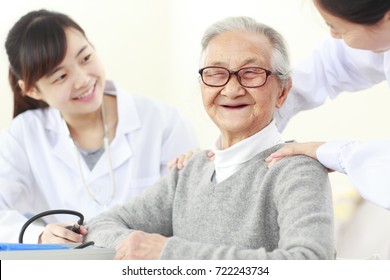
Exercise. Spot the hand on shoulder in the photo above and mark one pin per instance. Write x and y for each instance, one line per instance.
(292, 149)
(182, 160)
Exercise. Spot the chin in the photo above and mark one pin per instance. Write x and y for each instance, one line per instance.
(381, 51)
(372, 49)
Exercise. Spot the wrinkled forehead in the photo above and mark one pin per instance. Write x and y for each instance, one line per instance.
(237, 49)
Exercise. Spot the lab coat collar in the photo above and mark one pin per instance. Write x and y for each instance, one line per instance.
(128, 117)
(62, 143)
(63, 146)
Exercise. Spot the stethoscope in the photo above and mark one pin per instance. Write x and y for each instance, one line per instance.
(106, 146)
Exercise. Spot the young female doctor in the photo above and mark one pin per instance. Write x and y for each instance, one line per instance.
(77, 141)
(356, 58)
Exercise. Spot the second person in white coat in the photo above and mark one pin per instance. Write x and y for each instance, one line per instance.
(356, 58)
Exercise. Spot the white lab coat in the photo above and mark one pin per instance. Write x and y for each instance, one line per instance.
(39, 170)
(334, 67)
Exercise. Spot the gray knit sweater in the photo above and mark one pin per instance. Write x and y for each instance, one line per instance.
(283, 212)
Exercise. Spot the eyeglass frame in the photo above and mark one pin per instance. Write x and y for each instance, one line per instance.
(267, 74)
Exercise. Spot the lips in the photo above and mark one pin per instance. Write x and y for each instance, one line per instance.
(86, 96)
(234, 106)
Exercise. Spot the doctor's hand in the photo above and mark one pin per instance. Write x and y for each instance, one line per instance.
(293, 149)
(58, 233)
(140, 245)
(181, 160)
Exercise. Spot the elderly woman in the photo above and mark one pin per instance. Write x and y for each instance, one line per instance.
(234, 207)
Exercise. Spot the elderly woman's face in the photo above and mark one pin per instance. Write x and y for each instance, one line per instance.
(240, 112)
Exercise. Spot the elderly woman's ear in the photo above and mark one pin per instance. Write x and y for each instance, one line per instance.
(284, 93)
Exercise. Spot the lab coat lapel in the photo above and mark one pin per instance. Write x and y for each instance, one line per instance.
(63, 146)
(120, 148)
(120, 151)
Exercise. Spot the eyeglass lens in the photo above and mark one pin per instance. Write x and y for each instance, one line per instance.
(247, 77)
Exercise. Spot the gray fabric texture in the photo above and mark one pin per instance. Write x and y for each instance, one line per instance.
(282, 212)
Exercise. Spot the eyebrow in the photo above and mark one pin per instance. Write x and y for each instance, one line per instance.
(59, 68)
(247, 61)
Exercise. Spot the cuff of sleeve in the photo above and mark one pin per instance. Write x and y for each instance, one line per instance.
(168, 251)
(12, 222)
(177, 248)
(333, 153)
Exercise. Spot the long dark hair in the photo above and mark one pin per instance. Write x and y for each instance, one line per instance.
(367, 12)
(35, 45)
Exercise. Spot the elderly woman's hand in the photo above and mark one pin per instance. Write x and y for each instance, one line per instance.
(140, 245)
(293, 149)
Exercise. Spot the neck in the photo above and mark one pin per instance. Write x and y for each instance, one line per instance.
(86, 130)
(81, 122)
(230, 139)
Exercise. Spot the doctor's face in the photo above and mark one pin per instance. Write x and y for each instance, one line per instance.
(76, 85)
(374, 38)
(238, 111)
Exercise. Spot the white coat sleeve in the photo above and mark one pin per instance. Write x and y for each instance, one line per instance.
(366, 164)
(14, 172)
(331, 69)
(11, 222)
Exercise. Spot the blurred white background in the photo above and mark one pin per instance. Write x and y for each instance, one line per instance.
(152, 47)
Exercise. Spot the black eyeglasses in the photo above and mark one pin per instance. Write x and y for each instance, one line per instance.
(250, 77)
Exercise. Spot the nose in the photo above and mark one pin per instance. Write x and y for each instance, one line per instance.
(233, 88)
(81, 78)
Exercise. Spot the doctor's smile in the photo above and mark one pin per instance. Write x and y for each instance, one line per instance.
(84, 97)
